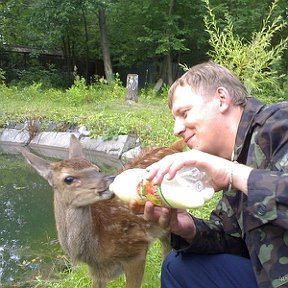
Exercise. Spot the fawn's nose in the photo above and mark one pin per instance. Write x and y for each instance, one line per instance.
(109, 179)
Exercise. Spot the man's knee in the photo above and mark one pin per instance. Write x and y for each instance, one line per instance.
(171, 268)
(220, 270)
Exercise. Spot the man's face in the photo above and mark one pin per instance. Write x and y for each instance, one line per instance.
(197, 120)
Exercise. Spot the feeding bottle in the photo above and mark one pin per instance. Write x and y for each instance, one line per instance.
(188, 189)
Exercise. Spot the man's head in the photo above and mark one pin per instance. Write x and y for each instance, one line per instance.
(207, 103)
(205, 78)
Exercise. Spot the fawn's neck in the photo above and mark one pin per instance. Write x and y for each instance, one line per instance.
(75, 231)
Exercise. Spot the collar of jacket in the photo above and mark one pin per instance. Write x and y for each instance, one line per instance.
(245, 129)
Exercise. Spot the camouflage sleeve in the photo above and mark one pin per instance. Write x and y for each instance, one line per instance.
(268, 182)
(267, 198)
(266, 217)
(211, 238)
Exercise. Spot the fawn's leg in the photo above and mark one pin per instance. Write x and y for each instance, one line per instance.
(165, 245)
(98, 284)
(134, 270)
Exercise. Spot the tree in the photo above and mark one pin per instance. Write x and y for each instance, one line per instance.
(105, 43)
(155, 34)
(150, 31)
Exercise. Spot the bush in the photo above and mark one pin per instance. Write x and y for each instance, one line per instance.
(50, 77)
(80, 93)
(256, 61)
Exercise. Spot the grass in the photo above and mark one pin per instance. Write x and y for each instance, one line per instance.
(104, 111)
(106, 114)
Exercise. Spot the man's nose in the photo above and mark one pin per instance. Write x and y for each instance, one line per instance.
(179, 127)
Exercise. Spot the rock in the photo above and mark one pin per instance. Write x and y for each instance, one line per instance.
(52, 139)
(112, 147)
(61, 140)
(15, 136)
(130, 154)
(82, 130)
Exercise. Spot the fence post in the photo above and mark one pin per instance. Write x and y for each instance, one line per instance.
(132, 88)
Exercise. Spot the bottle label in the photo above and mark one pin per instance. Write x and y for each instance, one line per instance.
(147, 191)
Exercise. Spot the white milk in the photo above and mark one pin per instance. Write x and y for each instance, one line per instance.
(188, 189)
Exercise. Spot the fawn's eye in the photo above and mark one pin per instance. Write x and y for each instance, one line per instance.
(69, 180)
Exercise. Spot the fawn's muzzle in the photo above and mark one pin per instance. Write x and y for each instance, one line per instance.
(109, 179)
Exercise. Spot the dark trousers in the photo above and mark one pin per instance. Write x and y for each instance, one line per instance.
(207, 271)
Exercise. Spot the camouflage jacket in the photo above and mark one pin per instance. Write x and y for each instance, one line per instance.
(254, 226)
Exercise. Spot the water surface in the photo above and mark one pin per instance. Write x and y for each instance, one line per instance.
(28, 241)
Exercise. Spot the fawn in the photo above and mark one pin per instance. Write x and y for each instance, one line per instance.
(95, 227)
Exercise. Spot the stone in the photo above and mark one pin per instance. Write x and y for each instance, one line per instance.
(53, 139)
(15, 136)
(115, 147)
(61, 141)
(83, 131)
(130, 154)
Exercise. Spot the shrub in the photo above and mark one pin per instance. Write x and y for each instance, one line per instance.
(256, 61)
(49, 77)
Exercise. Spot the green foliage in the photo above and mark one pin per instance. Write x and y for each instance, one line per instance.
(139, 32)
(79, 276)
(257, 61)
(81, 93)
(48, 77)
(76, 278)
(148, 30)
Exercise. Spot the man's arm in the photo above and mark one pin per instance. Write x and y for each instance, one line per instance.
(210, 236)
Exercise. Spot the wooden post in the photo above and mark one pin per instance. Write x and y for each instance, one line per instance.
(132, 87)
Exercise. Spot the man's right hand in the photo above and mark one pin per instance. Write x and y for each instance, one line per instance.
(177, 221)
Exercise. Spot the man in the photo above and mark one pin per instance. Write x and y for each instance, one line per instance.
(242, 144)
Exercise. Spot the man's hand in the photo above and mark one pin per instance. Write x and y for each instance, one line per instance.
(177, 221)
(222, 172)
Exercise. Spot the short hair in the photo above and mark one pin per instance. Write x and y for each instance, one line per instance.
(205, 78)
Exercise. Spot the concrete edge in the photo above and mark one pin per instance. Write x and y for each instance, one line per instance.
(123, 147)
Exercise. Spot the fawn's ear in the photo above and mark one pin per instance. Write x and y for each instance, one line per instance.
(75, 148)
(41, 165)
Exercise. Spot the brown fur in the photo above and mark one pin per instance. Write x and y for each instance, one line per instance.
(95, 228)
(151, 155)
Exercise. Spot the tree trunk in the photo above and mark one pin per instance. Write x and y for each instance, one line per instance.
(105, 45)
(68, 58)
(169, 69)
(166, 71)
(86, 45)
(169, 56)
(167, 65)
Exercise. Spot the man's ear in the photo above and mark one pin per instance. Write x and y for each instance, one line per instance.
(223, 98)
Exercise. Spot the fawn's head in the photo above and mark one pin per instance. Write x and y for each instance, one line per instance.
(76, 181)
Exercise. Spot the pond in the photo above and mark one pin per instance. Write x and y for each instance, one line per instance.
(28, 241)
